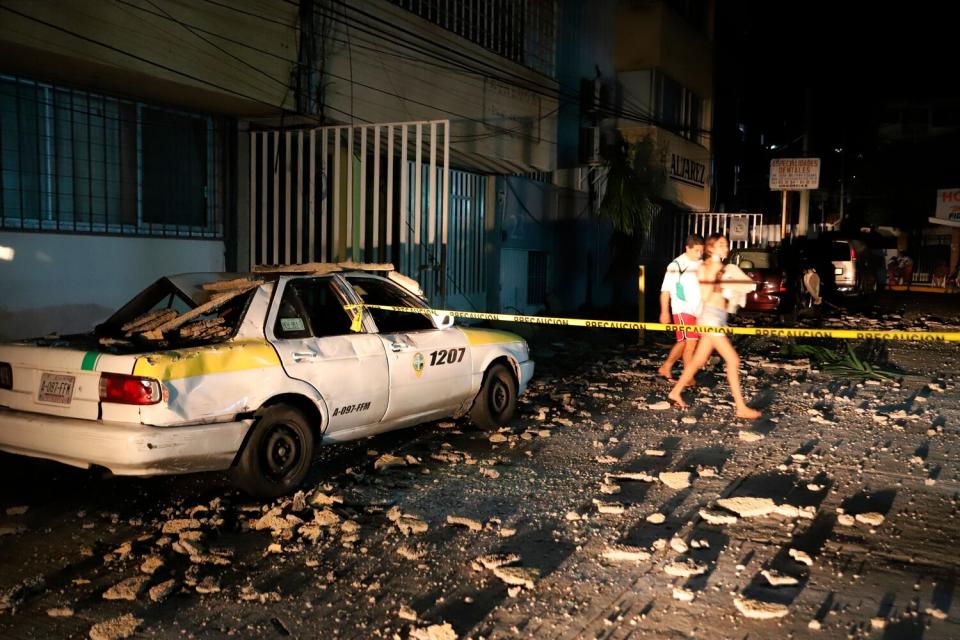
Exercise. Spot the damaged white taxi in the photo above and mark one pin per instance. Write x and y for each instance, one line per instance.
(250, 373)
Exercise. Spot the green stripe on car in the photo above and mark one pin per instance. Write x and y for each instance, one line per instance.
(90, 360)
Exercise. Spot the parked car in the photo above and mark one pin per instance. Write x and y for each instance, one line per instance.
(845, 265)
(248, 373)
(763, 266)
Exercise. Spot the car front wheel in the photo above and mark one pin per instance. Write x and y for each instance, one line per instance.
(497, 400)
(277, 455)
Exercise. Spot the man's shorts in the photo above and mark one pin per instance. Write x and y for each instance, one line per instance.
(685, 318)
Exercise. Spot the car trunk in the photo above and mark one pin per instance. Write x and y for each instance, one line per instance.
(53, 381)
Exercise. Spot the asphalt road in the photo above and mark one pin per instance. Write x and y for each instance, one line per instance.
(592, 540)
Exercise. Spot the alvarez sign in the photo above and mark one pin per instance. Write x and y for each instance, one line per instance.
(794, 174)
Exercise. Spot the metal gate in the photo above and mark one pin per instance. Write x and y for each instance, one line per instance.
(369, 193)
(742, 229)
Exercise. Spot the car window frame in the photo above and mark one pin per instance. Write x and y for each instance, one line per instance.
(368, 317)
(271, 319)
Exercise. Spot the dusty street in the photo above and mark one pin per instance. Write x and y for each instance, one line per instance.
(601, 513)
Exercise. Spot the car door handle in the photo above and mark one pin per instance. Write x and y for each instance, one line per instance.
(304, 355)
(396, 347)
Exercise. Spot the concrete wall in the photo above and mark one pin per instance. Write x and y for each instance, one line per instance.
(68, 283)
(494, 125)
(215, 75)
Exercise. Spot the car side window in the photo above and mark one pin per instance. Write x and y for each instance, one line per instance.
(311, 307)
(376, 291)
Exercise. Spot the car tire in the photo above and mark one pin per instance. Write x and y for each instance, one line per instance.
(497, 400)
(277, 454)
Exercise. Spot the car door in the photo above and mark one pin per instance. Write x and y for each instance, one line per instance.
(311, 331)
(429, 368)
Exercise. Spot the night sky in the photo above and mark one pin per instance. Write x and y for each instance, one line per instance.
(853, 59)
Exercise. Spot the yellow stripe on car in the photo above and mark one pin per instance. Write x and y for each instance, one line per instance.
(220, 358)
(477, 337)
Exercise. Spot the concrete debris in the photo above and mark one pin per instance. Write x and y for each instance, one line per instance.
(609, 488)
(633, 476)
(274, 548)
(127, 589)
(208, 585)
(688, 420)
(494, 560)
(685, 568)
(706, 472)
(623, 553)
(115, 628)
(814, 625)
(814, 487)
(151, 564)
(656, 518)
(609, 508)
(703, 543)
(387, 461)
(517, 576)
(801, 556)
(159, 592)
(272, 520)
(469, 523)
(878, 623)
(678, 545)
(936, 613)
(410, 554)
(487, 472)
(845, 520)
(249, 594)
(675, 479)
(506, 532)
(870, 518)
(349, 527)
(176, 526)
(663, 405)
(497, 438)
(571, 516)
(683, 595)
(210, 558)
(747, 507)
(60, 612)
(607, 459)
(750, 436)
(759, 610)
(406, 613)
(717, 517)
(777, 579)
(411, 525)
(656, 453)
(325, 518)
(17, 511)
(323, 500)
(434, 632)
(11, 529)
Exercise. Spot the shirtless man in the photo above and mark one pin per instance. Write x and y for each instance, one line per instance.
(714, 314)
(680, 302)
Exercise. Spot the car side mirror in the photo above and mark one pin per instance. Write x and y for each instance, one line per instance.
(443, 321)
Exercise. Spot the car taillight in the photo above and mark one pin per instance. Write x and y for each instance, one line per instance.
(124, 389)
(6, 376)
(853, 254)
(783, 283)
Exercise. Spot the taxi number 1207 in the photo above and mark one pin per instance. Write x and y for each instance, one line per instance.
(447, 356)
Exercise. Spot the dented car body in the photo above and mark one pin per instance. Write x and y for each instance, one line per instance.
(184, 377)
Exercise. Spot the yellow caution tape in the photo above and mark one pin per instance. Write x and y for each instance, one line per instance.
(842, 334)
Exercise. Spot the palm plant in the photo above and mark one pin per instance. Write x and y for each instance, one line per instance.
(632, 178)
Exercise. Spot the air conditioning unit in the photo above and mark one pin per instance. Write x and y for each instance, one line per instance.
(589, 147)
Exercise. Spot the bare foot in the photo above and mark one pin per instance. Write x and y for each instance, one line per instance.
(677, 401)
(666, 373)
(748, 413)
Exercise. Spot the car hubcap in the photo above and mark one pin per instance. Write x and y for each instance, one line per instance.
(282, 451)
(499, 396)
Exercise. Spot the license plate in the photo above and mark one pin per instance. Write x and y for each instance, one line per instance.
(56, 388)
(838, 271)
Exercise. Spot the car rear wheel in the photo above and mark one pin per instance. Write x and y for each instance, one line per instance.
(277, 455)
(497, 400)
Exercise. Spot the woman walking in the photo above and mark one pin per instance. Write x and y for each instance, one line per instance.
(714, 314)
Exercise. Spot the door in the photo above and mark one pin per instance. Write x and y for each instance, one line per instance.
(429, 368)
(311, 331)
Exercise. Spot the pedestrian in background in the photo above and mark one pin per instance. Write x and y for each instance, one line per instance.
(714, 314)
(680, 302)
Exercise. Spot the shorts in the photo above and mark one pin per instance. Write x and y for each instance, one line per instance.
(714, 317)
(685, 318)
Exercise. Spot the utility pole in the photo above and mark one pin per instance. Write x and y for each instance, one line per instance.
(804, 217)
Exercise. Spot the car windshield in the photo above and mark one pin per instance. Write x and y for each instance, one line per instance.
(839, 250)
(759, 259)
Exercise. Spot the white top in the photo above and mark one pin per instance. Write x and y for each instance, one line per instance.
(683, 271)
